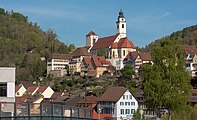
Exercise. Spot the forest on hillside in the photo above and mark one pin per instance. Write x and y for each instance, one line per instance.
(23, 44)
(187, 36)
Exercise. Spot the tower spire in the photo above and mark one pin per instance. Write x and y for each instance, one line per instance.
(121, 24)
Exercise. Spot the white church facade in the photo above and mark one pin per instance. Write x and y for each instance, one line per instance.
(116, 47)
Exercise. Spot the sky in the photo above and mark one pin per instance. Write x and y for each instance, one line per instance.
(71, 20)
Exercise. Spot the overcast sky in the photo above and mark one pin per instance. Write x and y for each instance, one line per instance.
(147, 20)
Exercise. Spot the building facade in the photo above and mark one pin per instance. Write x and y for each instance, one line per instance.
(7, 90)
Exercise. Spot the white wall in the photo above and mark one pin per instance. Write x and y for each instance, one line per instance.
(7, 75)
(48, 92)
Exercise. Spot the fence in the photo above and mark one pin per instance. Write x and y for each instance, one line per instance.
(45, 110)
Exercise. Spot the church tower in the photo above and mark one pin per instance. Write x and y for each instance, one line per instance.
(121, 25)
(91, 38)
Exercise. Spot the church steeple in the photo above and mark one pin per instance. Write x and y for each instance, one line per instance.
(121, 25)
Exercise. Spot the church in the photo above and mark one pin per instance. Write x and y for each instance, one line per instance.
(116, 47)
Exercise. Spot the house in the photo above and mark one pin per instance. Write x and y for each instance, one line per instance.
(118, 102)
(7, 90)
(77, 57)
(19, 90)
(115, 47)
(57, 64)
(96, 66)
(191, 59)
(137, 59)
(45, 91)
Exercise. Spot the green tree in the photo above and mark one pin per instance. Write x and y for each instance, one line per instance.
(166, 82)
(127, 71)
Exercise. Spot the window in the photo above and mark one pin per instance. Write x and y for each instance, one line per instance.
(3, 89)
(122, 25)
(130, 96)
(127, 111)
(125, 103)
(132, 111)
(122, 111)
(123, 96)
(127, 97)
(117, 26)
(123, 52)
(128, 103)
(121, 103)
(132, 103)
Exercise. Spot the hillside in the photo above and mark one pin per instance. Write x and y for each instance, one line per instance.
(187, 36)
(23, 43)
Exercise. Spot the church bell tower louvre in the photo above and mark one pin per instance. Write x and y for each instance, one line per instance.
(121, 25)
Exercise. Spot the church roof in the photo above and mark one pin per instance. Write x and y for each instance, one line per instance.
(91, 33)
(123, 43)
(104, 42)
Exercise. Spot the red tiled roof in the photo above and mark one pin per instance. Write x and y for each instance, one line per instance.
(100, 61)
(17, 88)
(189, 49)
(21, 99)
(145, 56)
(89, 99)
(125, 43)
(134, 54)
(194, 91)
(81, 51)
(42, 89)
(104, 42)
(86, 60)
(56, 95)
(91, 33)
(112, 94)
(61, 56)
(31, 89)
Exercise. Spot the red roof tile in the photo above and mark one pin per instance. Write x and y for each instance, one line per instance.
(89, 99)
(125, 43)
(91, 33)
(113, 94)
(21, 99)
(81, 51)
(86, 60)
(104, 42)
(134, 54)
(42, 89)
(31, 89)
(189, 49)
(145, 56)
(100, 61)
(56, 95)
(17, 88)
(61, 56)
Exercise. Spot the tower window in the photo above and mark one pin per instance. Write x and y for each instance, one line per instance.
(123, 52)
(94, 40)
(122, 25)
(117, 26)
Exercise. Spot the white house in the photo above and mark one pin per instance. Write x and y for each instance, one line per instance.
(57, 63)
(116, 47)
(46, 91)
(119, 102)
(19, 90)
(7, 90)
